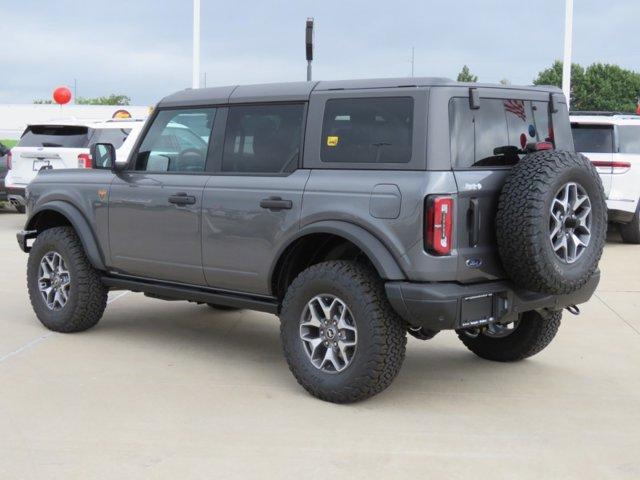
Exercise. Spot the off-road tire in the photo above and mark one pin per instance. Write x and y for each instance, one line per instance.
(532, 335)
(381, 333)
(630, 232)
(223, 308)
(87, 295)
(522, 222)
(20, 208)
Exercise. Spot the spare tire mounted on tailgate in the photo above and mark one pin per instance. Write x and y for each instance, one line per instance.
(551, 222)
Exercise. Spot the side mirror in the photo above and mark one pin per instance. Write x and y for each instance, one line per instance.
(103, 156)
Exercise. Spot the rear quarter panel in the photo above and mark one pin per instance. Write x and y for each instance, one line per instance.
(361, 197)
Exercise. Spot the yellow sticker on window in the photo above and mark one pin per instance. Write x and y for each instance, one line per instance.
(332, 140)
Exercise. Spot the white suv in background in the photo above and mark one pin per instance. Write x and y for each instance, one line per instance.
(64, 145)
(612, 142)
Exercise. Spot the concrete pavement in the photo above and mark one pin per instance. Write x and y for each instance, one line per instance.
(175, 390)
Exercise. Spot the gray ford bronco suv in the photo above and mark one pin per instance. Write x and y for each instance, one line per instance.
(358, 211)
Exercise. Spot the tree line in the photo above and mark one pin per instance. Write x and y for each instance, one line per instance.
(112, 99)
(599, 86)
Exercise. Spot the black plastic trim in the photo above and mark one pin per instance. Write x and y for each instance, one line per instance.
(191, 293)
(441, 306)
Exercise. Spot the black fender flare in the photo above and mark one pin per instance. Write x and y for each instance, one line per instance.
(383, 261)
(79, 223)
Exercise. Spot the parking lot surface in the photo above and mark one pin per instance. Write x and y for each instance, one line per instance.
(176, 390)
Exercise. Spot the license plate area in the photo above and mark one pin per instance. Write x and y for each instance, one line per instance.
(477, 310)
(39, 164)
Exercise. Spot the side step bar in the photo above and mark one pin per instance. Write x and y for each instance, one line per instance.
(170, 291)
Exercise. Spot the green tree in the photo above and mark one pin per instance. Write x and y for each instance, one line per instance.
(112, 99)
(598, 87)
(465, 75)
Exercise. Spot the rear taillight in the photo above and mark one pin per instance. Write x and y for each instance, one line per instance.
(615, 166)
(544, 146)
(438, 225)
(84, 160)
(9, 160)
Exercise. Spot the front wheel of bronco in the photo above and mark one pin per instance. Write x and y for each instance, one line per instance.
(66, 292)
(525, 337)
(341, 338)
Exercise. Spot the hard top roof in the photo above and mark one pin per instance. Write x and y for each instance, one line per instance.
(300, 91)
(91, 123)
(604, 118)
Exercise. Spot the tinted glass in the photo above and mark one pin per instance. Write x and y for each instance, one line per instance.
(263, 138)
(498, 132)
(55, 136)
(629, 138)
(177, 141)
(114, 136)
(593, 138)
(367, 130)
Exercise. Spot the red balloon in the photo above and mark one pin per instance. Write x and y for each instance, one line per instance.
(62, 95)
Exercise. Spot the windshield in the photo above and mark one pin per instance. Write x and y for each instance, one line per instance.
(592, 138)
(67, 136)
(114, 136)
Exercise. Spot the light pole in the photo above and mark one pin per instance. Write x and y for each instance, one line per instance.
(566, 64)
(196, 44)
(309, 46)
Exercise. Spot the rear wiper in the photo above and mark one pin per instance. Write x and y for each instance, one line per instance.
(47, 144)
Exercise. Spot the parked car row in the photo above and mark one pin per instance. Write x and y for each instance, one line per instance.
(63, 146)
(5, 153)
(612, 142)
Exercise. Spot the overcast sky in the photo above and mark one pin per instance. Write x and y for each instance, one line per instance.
(142, 48)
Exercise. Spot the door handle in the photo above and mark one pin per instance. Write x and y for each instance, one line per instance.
(182, 198)
(276, 203)
(473, 223)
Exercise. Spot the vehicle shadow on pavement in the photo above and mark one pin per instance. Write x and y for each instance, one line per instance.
(248, 345)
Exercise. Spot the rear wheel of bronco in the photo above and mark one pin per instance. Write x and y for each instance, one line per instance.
(551, 222)
(631, 231)
(529, 335)
(66, 292)
(341, 338)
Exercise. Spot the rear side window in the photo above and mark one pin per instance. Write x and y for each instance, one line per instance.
(629, 138)
(263, 138)
(367, 130)
(592, 138)
(114, 136)
(66, 136)
(497, 133)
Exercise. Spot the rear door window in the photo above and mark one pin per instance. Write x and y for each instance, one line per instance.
(629, 138)
(55, 136)
(592, 138)
(496, 134)
(367, 130)
(114, 136)
(263, 138)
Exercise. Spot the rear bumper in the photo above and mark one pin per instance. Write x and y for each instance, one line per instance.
(3, 191)
(17, 195)
(449, 305)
